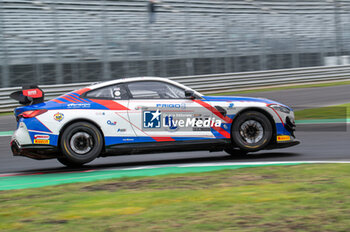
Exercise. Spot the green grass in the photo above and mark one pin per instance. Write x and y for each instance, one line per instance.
(329, 112)
(326, 84)
(284, 198)
(5, 113)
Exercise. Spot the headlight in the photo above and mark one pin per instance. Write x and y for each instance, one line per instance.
(280, 108)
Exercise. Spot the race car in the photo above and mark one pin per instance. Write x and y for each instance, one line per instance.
(145, 115)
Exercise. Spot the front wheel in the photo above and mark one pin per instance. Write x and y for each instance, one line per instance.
(80, 143)
(251, 131)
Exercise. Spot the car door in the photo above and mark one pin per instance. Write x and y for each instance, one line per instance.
(110, 106)
(159, 111)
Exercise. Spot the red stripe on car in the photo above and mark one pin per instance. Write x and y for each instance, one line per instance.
(213, 110)
(278, 116)
(70, 100)
(78, 98)
(163, 139)
(57, 101)
(74, 99)
(222, 132)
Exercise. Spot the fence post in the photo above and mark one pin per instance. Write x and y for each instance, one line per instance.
(227, 59)
(5, 80)
(292, 22)
(150, 63)
(106, 73)
(260, 19)
(56, 35)
(338, 31)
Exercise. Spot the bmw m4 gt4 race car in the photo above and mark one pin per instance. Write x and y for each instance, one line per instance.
(144, 115)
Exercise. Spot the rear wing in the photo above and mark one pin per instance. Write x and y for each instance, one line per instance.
(29, 95)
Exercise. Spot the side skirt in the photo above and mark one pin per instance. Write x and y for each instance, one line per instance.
(160, 147)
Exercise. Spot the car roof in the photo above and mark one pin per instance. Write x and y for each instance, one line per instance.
(133, 79)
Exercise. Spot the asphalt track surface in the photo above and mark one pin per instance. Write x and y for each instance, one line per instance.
(330, 142)
(308, 97)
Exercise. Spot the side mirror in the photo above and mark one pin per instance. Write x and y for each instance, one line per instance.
(189, 94)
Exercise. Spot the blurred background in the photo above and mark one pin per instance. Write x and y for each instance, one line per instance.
(72, 41)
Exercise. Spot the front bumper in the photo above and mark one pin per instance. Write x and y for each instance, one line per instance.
(38, 152)
(285, 136)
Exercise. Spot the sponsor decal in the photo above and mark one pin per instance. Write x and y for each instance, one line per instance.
(121, 130)
(152, 119)
(176, 106)
(79, 106)
(283, 138)
(194, 122)
(181, 115)
(34, 93)
(41, 141)
(58, 117)
(41, 136)
(31, 92)
(100, 113)
(22, 125)
(109, 122)
(169, 123)
(231, 105)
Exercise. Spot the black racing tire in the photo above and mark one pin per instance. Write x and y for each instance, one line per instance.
(251, 131)
(80, 143)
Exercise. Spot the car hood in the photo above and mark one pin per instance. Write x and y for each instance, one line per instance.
(238, 98)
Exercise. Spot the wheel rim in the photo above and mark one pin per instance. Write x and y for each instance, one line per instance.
(81, 143)
(251, 131)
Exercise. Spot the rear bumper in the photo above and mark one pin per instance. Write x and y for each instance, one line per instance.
(38, 152)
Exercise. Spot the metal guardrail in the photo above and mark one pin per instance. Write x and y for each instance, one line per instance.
(235, 81)
(213, 83)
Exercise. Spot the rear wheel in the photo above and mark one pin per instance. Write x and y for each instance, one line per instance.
(251, 131)
(80, 143)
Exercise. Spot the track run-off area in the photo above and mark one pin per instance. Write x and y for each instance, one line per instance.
(12, 181)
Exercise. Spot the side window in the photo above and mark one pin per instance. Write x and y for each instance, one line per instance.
(113, 92)
(155, 90)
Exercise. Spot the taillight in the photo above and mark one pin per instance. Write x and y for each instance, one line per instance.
(31, 113)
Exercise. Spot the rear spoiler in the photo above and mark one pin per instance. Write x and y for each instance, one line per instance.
(29, 95)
